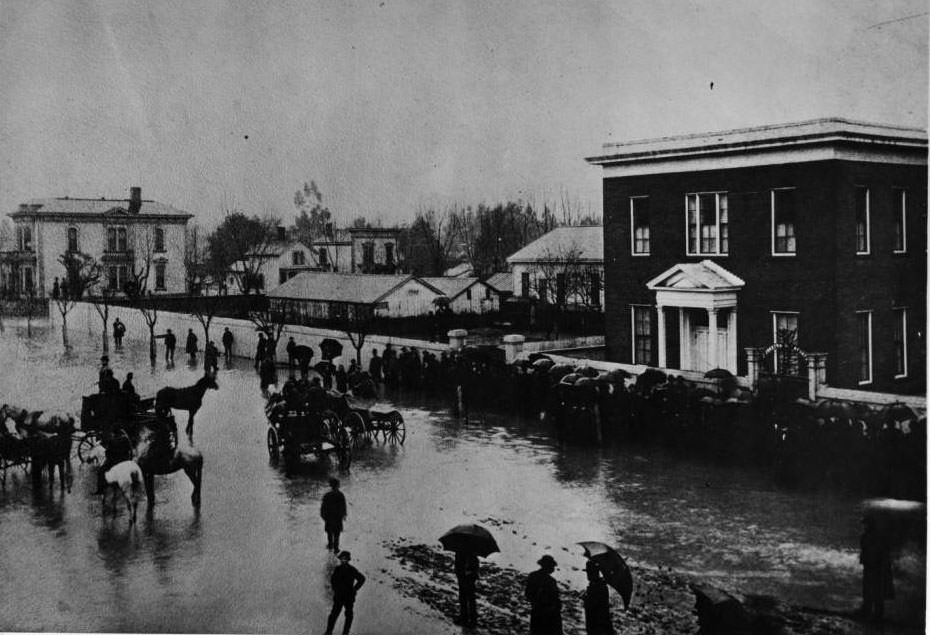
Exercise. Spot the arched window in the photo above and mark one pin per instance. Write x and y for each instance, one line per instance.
(72, 239)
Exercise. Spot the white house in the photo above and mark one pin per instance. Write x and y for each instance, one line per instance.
(276, 265)
(121, 234)
(565, 267)
(466, 295)
(326, 295)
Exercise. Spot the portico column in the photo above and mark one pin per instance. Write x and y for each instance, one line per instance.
(684, 339)
(731, 341)
(660, 311)
(712, 339)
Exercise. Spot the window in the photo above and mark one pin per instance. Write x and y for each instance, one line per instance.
(899, 207)
(28, 280)
(785, 332)
(862, 220)
(323, 257)
(116, 276)
(543, 289)
(468, 294)
(159, 276)
(72, 239)
(900, 342)
(159, 239)
(297, 258)
(595, 289)
(487, 293)
(25, 238)
(525, 284)
(642, 335)
(708, 228)
(783, 218)
(560, 289)
(368, 253)
(864, 336)
(639, 225)
(389, 254)
(116, 239)
(282, 276)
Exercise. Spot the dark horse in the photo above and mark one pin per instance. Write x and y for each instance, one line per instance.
(152, 449)
(49, 449)
(190, 399)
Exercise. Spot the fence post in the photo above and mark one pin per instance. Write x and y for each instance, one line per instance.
(513, 346)
(753, 359)
(816, 373)
(457, 339)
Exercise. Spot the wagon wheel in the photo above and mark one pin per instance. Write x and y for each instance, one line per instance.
(86, 446)
(359, 429)
(274, 445)
(343, 444)
(395, 431)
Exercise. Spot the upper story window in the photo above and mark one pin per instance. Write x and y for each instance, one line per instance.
(639, 225)
(368, 253)
(899, 209)
(389, 253)
(323, 257)
(116, 239)
(862, 220)
(708, 225)
(159, 239)
(297, 258)
(24, 237)
(72, 239)
(783, 219)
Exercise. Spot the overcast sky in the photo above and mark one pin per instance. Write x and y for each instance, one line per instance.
(391, 105)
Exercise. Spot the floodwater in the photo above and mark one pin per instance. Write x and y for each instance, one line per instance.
(253, 558)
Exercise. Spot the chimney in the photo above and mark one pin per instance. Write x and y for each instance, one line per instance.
(135, 200)
(282, 233)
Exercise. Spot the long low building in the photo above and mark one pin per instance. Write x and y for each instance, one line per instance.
(322, 295)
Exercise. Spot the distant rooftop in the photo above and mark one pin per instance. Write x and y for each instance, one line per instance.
(339, 287)
(812, 132)
(94, 207)
(588, 242)
(450, 286)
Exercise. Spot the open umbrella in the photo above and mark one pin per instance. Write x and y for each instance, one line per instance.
(614, 568)
(718, 373)
(543, 363)
(899, 411)
(537, 355)
(330, 348)
(649, 378)
(836, 409)
(469, 537)
(441, 300)
(323, 367)
(557, 372)
(617, 375)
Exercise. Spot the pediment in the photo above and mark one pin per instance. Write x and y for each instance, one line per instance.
(113, 211)
(697, 276)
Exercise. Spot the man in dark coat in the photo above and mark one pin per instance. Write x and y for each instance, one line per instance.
(333, 512)
(346, 581)
(119, 329)
(374, 366)
(260, 350)
(543, 595)
(466, 572)
(597, 603)
(211, 357)
(228, 340)
(170, 343)
(291, 357)
(191, 347)
(877, 583)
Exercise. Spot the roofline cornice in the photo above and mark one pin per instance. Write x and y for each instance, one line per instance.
(100, 217)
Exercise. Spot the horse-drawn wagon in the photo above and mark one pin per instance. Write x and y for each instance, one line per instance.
(296, 433)
(100, 412)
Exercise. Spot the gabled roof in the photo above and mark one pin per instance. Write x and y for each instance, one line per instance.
(501, 281)
(450, 286)
(343, 287)
(95, 207)
(275, 249)
(587, 241)
(463, 269)
(706, 275)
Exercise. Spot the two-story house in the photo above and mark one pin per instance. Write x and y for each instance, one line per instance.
(123, 235)
(810, 234)
(374, 250)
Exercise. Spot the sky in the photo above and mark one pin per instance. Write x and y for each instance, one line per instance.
(395, 106)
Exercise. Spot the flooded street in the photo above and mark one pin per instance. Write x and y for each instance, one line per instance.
(253, 558)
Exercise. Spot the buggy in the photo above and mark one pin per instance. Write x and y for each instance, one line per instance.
(294, 434)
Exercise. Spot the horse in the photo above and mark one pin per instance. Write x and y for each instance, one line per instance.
(34, 419)
(190, 399)
(125, 477)
(50, 450)
(154, 453)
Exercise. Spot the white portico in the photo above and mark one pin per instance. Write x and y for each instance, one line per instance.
(705, 295)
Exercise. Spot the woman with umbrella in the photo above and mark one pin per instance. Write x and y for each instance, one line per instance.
(468, 542)
(596, 603)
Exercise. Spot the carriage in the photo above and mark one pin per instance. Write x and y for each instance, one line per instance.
(295, 434)
(367, 424)
(99, 412)
(14, 452)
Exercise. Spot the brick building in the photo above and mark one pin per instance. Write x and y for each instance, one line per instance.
(810, 235)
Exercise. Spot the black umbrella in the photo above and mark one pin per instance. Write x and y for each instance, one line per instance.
(543, 363)
(718, 373)
(898, 411)
(330, 348)
(614, 568)
(469, 537)
(534, 356)
(323, 367)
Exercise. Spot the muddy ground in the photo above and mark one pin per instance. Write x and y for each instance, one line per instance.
(662, 600)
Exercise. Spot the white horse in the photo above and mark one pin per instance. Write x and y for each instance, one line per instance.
(125, 477)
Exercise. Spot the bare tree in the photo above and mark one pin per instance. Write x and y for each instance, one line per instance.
(432, 241)
(137, 287)
(81, 273)
(561, 277)
(102, 302)
(204, 309)
(270, 321)
(196, 260)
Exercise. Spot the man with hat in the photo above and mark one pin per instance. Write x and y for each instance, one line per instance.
(542, 592)
(346, 581)
(333, 508)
